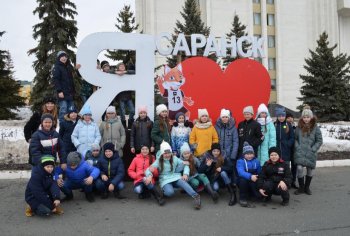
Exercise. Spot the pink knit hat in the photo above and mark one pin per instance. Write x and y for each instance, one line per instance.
(142, 109)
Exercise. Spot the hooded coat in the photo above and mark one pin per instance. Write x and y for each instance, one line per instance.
(112, 131)
(85, 134)
(228, 138)
(63, 79)
(112, 167)
(65, 132)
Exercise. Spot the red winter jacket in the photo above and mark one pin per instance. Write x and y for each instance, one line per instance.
(138, 167)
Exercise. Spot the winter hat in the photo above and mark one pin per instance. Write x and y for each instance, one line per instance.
(185, 148)
(86, 110)
(108, 146)
(47, 160)
(46, 116)
(276, 150)
(178, 115)
(307, 112)
(71, 109)
(142, 109)
(247, 149)
(215, 146)
(165, 147)
(248, 109)
(61, 54)
(73, 158)
(224, 112)
(111, 109)
(280, 111)
(160, 108)
(104, 63)
(49, 99)
(262, 108)
(95, 146)
(202, 112)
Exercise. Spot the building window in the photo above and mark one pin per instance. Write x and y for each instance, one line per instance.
(270, 1)
(273, 84)
(256, 1)
(257, 19)
(271, 41)
(272, 63)
(270, 19)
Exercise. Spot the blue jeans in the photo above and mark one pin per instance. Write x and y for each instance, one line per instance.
(102, 186)
(224, 177)
(139, 187)
(246, 187)
(69, 186)
(131, 108)
(64, 105)
(168, 189)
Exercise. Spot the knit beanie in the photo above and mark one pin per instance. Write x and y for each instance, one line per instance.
(142, 109)
(224, 113)
(46, 116)
(276, 150)
(104, 63)
(280, 111)
(71, 109)
(73, 158)
(108, 146)
(61, 54)
(185, 148)
(49, 99)
(262, 108)
(86, 110)
(95, 146)
(307, 112)
(178, 115)
(165, 147)
(202, 112)
(247, 149)
(47, 160)
(111, 109)
(215, 146)
(160, 108)
(248, 109)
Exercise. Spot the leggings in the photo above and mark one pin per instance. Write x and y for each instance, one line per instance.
(300, 171)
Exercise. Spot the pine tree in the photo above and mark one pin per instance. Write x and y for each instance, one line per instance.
(57, 31)
(238, 30)
(193, 24)
(9, 87)
(125, 23)
(326, 86)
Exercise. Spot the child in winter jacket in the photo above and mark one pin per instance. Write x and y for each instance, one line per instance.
(275, 177)
(308, 139)
(290, 120)
(112, 131)
(161, 128)
(79, 175)
(86, 132)
(215, 166)
(66, 129)
(166, 164)
(248, 168)
(203, 134)
(111, 172)
(180, 133)
(92, 156)
(137, 170)
(269, 133)
(42, 193)
(141, 132)
(249, 131)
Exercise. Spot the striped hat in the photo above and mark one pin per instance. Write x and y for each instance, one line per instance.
(47, 160)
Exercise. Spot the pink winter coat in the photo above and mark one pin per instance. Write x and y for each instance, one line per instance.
(138, 166)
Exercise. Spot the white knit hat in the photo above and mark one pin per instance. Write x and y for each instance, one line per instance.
(224, 112)
(202, 112)
(160, 108)
(185, 148)
(262, 108)
(164, 146)
(307, 112)
(111, 109)
(248, 109)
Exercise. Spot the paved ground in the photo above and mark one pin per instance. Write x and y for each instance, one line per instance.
(327, 212)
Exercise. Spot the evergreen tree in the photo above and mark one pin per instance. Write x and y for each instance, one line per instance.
(326, 86)
(125, 23)
(192, 24)
(238, 30)
(57, 31)
(9, 88)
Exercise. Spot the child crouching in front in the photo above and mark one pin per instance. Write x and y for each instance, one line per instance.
(136, 171)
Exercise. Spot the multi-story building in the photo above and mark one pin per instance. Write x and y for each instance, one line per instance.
(290, 28)
(25, 90)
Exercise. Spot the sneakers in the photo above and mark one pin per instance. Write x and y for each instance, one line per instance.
(29, 211)
(244, 203)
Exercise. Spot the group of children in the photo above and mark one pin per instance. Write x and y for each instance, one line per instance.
(255, 157)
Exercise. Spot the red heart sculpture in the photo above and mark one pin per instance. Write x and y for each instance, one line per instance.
(244, 82)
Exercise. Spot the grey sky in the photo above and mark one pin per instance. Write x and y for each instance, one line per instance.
(17, 20)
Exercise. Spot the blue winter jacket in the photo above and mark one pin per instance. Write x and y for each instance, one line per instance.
(63, 79)
(112, 167)
(285, 141)
(65, 132)
(269, 132)
(84, 135)
(46, 143)
(77, 175)
(40, 188)
(247, 168)
(228, 138)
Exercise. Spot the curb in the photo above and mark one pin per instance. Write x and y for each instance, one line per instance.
(25, 174)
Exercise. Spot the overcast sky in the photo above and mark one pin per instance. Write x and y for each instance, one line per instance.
(17, 20)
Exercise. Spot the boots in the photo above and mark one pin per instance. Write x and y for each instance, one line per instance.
(116, 194)
(58, 210)
(29, 211)
(104, 195)
(307, 185)
(130, 122)
(301, 186)
(214, 195)
(197, 201)
(124, 123)
(157, 196)
(233, 196)
(90, 197)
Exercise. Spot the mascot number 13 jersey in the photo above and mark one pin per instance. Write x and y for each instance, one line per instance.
(175, 100)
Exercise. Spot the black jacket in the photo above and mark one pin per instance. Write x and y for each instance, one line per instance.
(65, 132)
(141, 133)
(249, 131)
(63, 79)
(210, 171)
(32, 125)
(275, 172)
(112, 167)
(285, 141)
